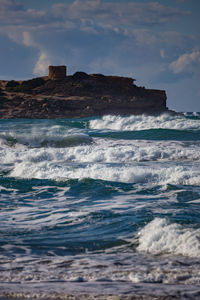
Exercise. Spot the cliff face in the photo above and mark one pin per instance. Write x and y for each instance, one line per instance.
(80, 95)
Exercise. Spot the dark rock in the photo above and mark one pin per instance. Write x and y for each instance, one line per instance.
(80, 76)
(79, 95)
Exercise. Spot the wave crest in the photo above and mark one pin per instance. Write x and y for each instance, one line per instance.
(143, 122)
(44, 140)
(161, 237)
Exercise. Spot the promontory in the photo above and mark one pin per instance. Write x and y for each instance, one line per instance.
(77, 96)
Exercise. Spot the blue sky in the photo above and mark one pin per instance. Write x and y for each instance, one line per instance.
(156, 42)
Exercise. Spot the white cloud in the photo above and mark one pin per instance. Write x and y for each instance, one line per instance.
(42, 64)
(162, 53)
(27, 40)
(188, 62)
(89, 16)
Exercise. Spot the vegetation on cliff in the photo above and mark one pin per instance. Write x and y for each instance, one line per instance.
(26, 86)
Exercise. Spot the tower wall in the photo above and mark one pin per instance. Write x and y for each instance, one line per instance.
(57, 72)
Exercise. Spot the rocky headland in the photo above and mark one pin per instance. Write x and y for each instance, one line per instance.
(77, 96)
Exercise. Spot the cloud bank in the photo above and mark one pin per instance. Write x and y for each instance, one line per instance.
(137, 39)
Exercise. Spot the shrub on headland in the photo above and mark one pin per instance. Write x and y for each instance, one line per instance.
(25, 87)
(11, 85)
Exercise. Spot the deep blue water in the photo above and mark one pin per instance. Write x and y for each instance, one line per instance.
(101, 205)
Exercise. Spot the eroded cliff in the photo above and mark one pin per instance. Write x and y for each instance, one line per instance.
(79, 95)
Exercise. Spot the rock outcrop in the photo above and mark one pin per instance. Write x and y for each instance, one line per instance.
(78, 95)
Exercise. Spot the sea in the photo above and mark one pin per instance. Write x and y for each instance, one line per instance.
(100, 207)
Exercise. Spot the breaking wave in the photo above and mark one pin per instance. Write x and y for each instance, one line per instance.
(102, 151)
(162, 237)
(45, 140)
(145, 174)
(144, 122)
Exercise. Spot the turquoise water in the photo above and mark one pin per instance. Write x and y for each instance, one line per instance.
(100, 205)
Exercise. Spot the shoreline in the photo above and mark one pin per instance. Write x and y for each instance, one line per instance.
(98, 291)
(95, 297)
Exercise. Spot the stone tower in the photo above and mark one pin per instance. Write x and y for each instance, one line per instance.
(57, 72)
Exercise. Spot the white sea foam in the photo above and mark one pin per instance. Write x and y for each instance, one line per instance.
(144, 122)
(104, 151)
(166, 275)
(162, 237)
(111, 151)
(154, 174)
(108, 160)
(93, 268)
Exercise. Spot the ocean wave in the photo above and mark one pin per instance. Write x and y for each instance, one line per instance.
(102, 151)
(45, 140)
(144, 122)
(153, 174)
(70, 212)
(192, 114)
(162, 237)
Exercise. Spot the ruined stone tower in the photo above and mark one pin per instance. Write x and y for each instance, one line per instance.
(57, 72)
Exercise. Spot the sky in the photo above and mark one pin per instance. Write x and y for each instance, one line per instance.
(155, 42)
